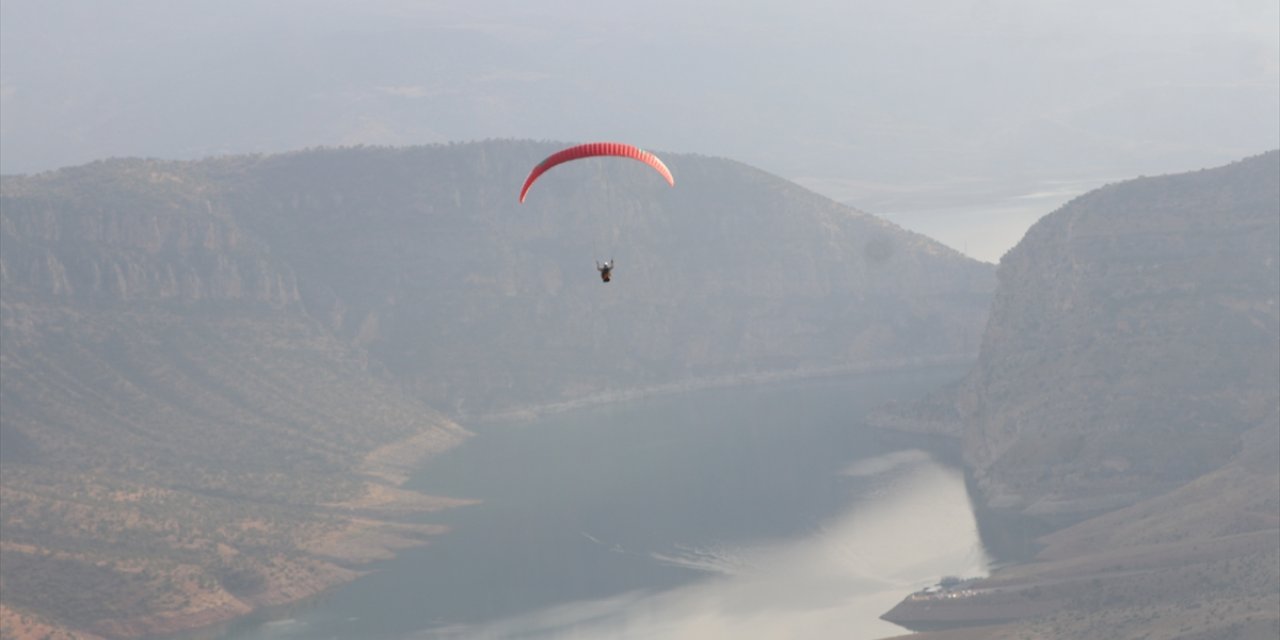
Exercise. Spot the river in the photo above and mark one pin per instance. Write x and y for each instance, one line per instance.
(760, 511)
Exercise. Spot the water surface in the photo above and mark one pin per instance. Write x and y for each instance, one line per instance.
(755, 512)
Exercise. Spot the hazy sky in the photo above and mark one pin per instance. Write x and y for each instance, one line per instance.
(926, 110)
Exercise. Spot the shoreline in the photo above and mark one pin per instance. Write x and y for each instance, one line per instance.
(529, 413)
(374, 529)
(366, 529)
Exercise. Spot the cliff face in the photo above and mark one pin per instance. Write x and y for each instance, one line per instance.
(1126, 405)
(131, 232)
(1134, 337)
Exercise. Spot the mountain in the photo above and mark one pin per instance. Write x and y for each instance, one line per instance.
(481, 304)
(1132, 341)
(1126, 404)
(217, 374)
(181, 443)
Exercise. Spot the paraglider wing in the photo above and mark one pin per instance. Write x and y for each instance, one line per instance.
(593, 149)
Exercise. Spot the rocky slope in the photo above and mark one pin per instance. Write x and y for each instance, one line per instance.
(424, 258)
(1133, 339)
(180, 443)
(1127, 400)
(217, 373)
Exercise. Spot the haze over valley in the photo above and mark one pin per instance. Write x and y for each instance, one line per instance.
(959, 320)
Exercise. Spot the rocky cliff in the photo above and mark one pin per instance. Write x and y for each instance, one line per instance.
(1133, 339)
(132, 231)
(1125, 416)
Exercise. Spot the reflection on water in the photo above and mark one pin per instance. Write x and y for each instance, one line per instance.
(913, 527)
(764, 511)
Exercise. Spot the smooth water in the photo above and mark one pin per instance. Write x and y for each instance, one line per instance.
(754, 512)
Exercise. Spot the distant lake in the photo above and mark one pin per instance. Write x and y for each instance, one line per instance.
(979, 218)
(752, 512)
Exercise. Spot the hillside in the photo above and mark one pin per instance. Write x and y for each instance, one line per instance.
(1127, 404)
(181, 442)
(216, 374)
(1133, 339)
(482, 304)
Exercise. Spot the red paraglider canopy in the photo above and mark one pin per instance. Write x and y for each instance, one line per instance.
(592, 149)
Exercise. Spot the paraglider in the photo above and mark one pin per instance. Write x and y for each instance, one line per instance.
(592, 150)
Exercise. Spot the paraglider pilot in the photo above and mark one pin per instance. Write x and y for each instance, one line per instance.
(604, 269)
